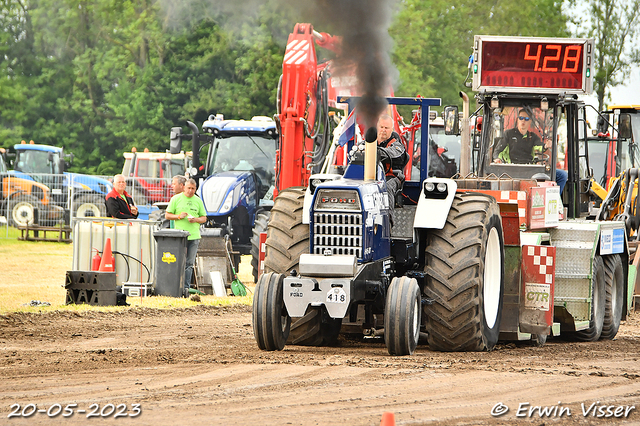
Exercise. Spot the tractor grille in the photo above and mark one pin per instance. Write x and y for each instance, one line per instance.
(339, 232)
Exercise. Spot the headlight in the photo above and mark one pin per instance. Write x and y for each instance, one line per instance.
(231, 200)
(213, 191)
(436, 190)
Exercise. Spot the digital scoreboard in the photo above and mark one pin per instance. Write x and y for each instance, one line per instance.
(532, 64)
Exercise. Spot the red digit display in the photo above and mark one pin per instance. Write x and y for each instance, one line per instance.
(553, 58)
(528, 63)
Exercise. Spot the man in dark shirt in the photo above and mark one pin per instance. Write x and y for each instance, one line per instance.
(393, 156)
(119, 202)
(519, 145)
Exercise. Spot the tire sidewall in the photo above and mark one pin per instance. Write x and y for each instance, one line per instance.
(491, 333)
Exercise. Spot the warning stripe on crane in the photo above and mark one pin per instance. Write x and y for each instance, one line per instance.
(297, 52)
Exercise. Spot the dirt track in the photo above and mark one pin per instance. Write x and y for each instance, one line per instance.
(202, 366)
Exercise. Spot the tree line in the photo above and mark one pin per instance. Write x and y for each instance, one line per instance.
(99, 77)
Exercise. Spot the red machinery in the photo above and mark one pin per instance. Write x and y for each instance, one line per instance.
(304, 95)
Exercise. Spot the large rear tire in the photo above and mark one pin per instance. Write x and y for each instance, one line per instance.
(614, 296)
(465, 276)
(287, 236)
(259, 226)
(21, 210)
(402, 316)
(598, 300)
(90, 206)
(314, 330)
(271, 322)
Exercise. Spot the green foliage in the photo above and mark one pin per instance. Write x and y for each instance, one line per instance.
(100, 77)
(613, 26)
(434, 38)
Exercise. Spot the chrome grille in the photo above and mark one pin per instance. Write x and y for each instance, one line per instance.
(339, 232)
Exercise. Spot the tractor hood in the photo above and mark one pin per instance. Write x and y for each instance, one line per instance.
(222, 193)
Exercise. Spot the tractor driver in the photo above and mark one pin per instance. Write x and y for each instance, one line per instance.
(393, 156)
(519, 145)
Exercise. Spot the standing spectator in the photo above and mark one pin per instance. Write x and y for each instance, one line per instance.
(177, 184)
(119, 203)
(188, 213)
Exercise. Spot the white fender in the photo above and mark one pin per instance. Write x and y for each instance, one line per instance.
(433, 206)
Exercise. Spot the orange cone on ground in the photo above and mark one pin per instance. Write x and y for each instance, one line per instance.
(107, 263)
(388, 419)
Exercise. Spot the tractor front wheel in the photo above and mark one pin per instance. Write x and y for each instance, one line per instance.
(271, 322)
(402, 316)
(614, 296)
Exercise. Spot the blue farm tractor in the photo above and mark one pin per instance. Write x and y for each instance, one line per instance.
(81, 195)
(236, 182)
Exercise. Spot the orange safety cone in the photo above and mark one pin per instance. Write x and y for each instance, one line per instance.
(388, 419)
(107, 263)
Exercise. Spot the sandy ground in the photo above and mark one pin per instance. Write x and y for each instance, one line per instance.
(202, 366)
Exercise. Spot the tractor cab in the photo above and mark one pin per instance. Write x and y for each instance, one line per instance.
(519, 139)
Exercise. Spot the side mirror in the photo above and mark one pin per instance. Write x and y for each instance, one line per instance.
(624, 126)
(451, 120)
(175, 140)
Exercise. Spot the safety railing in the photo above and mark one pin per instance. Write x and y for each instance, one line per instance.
(48, 200)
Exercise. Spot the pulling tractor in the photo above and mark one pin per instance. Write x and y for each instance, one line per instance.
(469, 261)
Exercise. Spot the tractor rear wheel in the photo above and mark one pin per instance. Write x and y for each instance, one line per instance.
(465, 276)
(598, 300)
(314, 330)
(259, 226)
(287, 236)
(402, 316)
(90, 206)
(614, 296)
(271, 321)
(21, 210)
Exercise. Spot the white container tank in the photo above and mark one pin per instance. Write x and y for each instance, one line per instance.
(132, 246)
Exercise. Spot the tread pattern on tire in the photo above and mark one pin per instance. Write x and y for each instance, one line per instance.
(267, 313)
(614, 276)
(310, 330)
(454, 263)
(403, 302)
(287, 236)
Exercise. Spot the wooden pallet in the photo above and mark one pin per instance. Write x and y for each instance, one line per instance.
(39, 233)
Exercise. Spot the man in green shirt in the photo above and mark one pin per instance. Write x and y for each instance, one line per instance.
(188, 213)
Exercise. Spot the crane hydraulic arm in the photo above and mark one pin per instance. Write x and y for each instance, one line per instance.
(302, 107)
